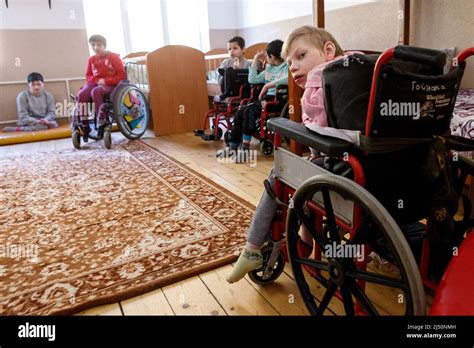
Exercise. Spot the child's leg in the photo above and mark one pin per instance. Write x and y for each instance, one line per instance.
(236, 131)
(258, 233)
(98, 94)
(83, 99)
(25, 128)
(251, 114)
(84, 95)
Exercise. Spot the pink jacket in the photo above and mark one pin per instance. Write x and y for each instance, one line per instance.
(314, 114)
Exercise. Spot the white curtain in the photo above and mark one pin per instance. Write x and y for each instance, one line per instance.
(145, 25)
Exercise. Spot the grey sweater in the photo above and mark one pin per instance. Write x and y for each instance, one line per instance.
(31, 109)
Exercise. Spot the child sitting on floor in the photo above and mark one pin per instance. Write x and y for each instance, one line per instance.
(274, 75)
(36, 107)
(307, 50)
(104, 71)
(233, 69)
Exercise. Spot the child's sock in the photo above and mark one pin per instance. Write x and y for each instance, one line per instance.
(246, 142)
(249, 260)
(233, 146)
(246, 139)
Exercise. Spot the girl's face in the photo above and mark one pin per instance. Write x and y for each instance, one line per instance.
(98, 48)
(234, 50)
(304, 56)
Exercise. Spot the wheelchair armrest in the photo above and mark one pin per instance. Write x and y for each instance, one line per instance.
(298, 132)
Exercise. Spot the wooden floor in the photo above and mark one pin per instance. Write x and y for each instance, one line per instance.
(209, 293)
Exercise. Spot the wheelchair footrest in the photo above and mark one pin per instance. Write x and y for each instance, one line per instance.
(198, 132)
(207, 137)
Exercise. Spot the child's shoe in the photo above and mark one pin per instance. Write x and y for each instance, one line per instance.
(229, 151)
(249, 260)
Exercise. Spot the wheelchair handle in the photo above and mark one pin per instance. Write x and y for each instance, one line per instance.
(434, 58)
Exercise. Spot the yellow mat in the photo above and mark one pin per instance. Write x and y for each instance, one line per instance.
(64, 131)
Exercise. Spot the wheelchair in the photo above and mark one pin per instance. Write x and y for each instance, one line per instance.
(391, 196)
(126, 106)
(220, 117)
(275, 106)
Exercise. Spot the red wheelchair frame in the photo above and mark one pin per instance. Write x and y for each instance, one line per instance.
(265, 136)
(282, 194)
(221, 114)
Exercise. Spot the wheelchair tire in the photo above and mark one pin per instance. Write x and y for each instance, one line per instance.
(342, 272)
(131, 111)
(256, 276)
(286, 114)
(76, 139)
(107, 138)
(266, 148)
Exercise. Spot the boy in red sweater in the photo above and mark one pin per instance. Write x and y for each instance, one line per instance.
(104, 71)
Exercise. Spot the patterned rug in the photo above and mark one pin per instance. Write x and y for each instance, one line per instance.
(84, 228)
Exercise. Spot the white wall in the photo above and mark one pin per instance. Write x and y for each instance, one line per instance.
(253, 13)
(35, 14)
(223, 14)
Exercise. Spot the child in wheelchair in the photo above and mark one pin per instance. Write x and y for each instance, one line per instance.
(307, 51)
(275, 74)
(233, 70)
(104, 71)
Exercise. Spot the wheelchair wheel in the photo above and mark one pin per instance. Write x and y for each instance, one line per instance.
(131, 111)
(76, 139)
(266, 147)
(219, 132)
(286, 114)
(340, 214)
(107, 138)
(257, 275)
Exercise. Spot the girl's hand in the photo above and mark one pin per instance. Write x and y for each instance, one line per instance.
(260, 55)
(264, 91)
(101, 82)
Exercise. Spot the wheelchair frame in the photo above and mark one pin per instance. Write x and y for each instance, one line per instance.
(293, 173)
(221, 115)
(111, 109)
(263, 134)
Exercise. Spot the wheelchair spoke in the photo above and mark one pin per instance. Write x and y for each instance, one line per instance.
(362, 297)
(376, 278)
(313, 263)
(310, 227)
(347, 300)
(331, 219)
(328, 295)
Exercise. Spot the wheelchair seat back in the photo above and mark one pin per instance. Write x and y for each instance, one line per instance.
(414, 99)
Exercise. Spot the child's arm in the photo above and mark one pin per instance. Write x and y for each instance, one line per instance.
(314, 111)
(120, 71)
(24, 118)
(256, 78)
(50, 109)
(89, 75)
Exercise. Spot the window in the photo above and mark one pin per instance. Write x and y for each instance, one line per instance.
(105, 18)
(188, 23)
(145, 25)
